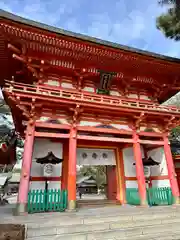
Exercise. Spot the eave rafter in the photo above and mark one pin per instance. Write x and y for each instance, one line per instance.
(78, 47)
(27, 62)
(53, 61)
(39, 65)
(171, 123)
(43, 37)
(174, 85)
(38, 70)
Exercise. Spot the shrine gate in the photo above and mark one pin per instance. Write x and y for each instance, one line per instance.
(68, 92)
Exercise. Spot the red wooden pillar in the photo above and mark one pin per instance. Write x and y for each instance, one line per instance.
(26, 170)
(72, 169)
(139, 170)
(171, 170)
(64, 176)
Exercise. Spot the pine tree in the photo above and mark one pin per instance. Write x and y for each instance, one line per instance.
(169, 23)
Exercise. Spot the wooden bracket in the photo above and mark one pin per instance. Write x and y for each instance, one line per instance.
(27, 62)
(169, 124)
(76, 115)
(139, 120)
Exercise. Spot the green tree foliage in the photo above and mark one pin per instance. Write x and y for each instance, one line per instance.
(169, 22)
(97, 172)
(175, 133)
(6, 126)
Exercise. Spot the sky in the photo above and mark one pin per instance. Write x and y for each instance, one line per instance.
(127, 22)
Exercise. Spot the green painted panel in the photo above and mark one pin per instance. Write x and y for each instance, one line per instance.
(155, 196)
(50, 200)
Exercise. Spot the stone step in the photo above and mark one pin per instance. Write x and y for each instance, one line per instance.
(96, 203)
(94, 214)
(160, 231)
(121, 219)
(51, 230)
(160, 236)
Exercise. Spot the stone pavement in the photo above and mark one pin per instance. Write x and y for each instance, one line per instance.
(110, 222)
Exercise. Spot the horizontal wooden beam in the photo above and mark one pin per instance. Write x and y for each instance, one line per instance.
(176, 157)
(151, 142)
(52, 125)
(104, 130)
(150, 134)
(43, 179)
(14, 49)
(163, 177)
(51, 135)
(105, 139)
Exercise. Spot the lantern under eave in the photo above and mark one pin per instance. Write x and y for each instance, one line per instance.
(50, 158)
(48, 163)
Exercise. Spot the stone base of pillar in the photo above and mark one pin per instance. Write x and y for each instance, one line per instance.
(21, 209)
(144, 204)
(71, 206)
(176, 201)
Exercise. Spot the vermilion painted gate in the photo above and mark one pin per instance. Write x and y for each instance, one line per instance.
(111, 183)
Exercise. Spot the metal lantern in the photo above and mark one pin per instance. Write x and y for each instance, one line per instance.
(48, 170)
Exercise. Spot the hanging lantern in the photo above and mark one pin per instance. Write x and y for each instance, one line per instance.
(48, 170)
(147, 172)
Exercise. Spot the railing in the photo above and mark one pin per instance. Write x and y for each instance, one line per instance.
(132, 196)
(155, 196)
(160, 196)
(50, 200)
(21, 89)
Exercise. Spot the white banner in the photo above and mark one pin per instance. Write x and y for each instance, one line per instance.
(93, 156)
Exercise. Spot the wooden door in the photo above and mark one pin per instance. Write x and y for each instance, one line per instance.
(111, 183)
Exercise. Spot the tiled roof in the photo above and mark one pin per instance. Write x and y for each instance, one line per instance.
(59, 31)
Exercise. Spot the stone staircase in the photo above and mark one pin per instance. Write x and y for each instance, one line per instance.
(110, 222)
(96, 203)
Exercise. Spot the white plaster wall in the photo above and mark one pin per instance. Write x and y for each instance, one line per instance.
(144, 97)
(158, 156)
(131, 184)
(128, 158)
(53, 83)
(132, 95)
(41, 149)
(67, 85)
(43, 119)
(89, 124)
(121, 126)
(114, 93)
(160, 170)
(161, 183)
(88, 89)
(115, 125)
(40, 185)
